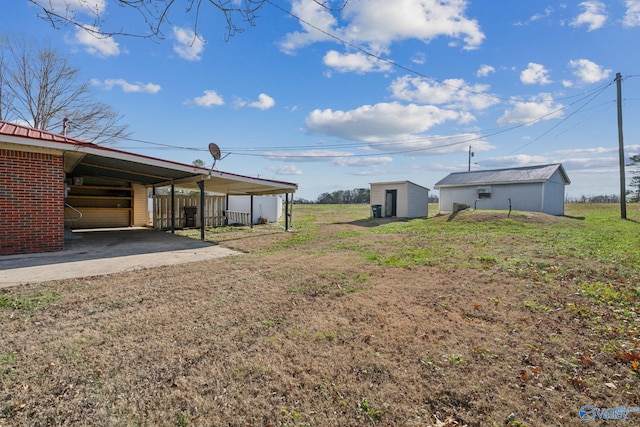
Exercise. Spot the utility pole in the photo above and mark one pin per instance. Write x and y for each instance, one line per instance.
(470, 156)
(623, 199)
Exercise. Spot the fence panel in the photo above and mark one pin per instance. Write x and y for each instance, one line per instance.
(213, 210)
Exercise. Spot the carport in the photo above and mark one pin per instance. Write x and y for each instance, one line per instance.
(155, 173)
(50, 176)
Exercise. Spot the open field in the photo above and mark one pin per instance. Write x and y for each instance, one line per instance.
(476, 319)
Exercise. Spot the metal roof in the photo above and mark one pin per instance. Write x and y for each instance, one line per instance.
(86, 159)
(525, 174)
(398, 183)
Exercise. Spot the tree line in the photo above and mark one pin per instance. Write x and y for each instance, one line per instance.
(357, 195)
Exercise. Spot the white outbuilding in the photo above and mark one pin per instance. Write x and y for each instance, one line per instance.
(401, 199)
(531, 188)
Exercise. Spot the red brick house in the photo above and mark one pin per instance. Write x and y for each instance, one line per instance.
(40, 171)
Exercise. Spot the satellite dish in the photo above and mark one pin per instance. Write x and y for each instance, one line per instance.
(215, 153)
(214, 150)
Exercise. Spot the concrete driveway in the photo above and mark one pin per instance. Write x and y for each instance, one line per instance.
(98, 252)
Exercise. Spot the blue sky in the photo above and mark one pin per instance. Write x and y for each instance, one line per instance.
(378, 91)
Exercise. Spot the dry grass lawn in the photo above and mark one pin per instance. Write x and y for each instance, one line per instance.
(477, 320)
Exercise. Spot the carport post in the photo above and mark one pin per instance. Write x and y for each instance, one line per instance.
(286, 212)
(226, 210)
(201, 185)
(173, 208)
(251, 212)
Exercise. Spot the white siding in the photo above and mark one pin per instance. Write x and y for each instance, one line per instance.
(524, 197)
(418, 201)
(411, 200)
(553, 195)
(269, 207)
(531, 197)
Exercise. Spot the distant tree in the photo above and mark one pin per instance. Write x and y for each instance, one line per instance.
(39, 87)
(634, 193)
(600, 198)
(357, 195)
(302, 201)
(155, 14)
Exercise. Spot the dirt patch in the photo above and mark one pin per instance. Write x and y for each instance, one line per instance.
(309, 329)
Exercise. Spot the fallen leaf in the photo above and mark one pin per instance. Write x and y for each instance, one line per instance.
(611, 385)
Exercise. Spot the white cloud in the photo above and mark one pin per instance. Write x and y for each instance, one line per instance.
(308, 155)
(377, 24)
(596, 150)
(533, 111)
(419, 58)
(588, 71)
(535, 74)
(285, 170)
(337, 158)
(318, 16)
(264, 102)
(454, 93)
(515, 161)
(547, 12)
(127, 87)
(378, 122)
(362, 161)
(188, 45)
(95, 44)
(69, 8)
(209, 99)
(594, 15)
(354, 62)
(632, 16)
(485, 70)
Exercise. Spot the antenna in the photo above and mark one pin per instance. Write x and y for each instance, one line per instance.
(215, 153)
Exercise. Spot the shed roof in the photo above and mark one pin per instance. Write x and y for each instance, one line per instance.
(86, 159)
(398, 182)
(540, 173)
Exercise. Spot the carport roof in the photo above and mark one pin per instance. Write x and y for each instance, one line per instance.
(86, 159)
(539, 173)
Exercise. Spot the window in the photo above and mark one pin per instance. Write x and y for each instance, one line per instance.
(484, 192)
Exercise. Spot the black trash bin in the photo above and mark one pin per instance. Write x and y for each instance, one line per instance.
(190, 216)
(377, 211)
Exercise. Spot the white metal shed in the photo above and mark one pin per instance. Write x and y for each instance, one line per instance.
(531, 188)
(402, 199)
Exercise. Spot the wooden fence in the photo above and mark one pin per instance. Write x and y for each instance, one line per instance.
(213, 211)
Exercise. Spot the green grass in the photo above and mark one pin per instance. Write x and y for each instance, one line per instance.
(27, 303)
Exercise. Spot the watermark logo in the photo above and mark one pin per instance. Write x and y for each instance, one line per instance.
(589, 413)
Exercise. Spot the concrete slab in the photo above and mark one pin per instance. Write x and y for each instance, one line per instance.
(99, 252)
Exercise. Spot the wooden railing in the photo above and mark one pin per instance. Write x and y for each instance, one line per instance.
(243, 218)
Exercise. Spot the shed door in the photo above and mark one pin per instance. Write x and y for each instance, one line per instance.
(391, 199)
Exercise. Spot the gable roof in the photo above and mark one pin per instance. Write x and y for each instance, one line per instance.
(82, 158)
(398, 183)
(525, 174)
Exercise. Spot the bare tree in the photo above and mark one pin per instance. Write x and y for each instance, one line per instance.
(155, 13)
(38, 86)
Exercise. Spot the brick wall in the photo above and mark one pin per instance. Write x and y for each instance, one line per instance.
(31, 202)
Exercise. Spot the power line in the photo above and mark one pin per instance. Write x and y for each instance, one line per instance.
(395, 64)
(564, 119)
